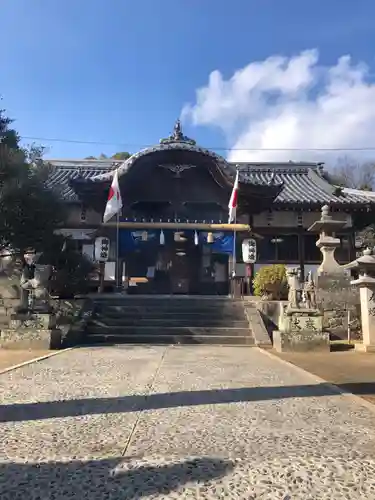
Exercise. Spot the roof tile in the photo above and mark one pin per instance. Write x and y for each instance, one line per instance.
(64, 172)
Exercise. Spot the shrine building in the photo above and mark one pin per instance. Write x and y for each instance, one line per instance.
(173, 233)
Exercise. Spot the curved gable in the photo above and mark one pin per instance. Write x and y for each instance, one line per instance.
(128, 164)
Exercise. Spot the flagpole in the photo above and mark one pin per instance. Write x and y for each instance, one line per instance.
(114, 207)
(233, 206)
(234, 231)
(119, 271)
(234, 257)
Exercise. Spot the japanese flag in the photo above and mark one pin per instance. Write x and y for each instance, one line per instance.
(114, 203)
(233, 201)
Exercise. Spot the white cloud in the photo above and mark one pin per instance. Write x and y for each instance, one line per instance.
(289, 103)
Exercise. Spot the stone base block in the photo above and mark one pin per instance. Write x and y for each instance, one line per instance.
(37, 321)
(24, 338)
(364, 348)
(308, 341)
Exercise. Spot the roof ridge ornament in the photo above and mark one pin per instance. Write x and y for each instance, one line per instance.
(177, 136)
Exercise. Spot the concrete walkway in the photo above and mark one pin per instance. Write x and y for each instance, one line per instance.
(179, 422)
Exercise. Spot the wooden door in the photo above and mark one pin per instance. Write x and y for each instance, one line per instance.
(180, 281)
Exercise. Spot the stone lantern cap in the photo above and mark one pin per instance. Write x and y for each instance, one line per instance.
(366, 268)
(327, 223)
(365, 263)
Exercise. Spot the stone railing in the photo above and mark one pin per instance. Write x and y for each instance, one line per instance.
(73, 317)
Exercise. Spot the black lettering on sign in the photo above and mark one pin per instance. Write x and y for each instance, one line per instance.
(296, 323)
(310, 325)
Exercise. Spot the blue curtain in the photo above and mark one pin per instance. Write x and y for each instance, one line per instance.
(131, 240)
(223, 244)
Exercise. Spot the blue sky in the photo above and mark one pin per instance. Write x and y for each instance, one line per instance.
(121, 71)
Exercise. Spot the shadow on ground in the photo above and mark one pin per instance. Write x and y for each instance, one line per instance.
(118, 478)
(339, 347)
(140, 402)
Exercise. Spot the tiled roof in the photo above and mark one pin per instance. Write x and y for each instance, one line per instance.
(302, 182)
(64, 171)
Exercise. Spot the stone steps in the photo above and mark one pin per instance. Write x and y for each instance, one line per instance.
(111, 317)
(107, 338)
(169, 320)
(169, 330)
(169, 309)
(202, 321)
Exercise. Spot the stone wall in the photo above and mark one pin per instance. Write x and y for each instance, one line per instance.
(271, 312)
(335, 297)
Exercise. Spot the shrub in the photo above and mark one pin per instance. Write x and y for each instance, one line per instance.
(71, 276)
(270, 282)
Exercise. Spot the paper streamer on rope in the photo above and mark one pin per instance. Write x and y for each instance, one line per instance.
(196, 238)
(210, 238)
(162, 238)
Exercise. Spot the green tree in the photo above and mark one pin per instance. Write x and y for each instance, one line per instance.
(124, 155)
(30, 210)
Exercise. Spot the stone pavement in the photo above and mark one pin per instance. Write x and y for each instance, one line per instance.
(12, 357)
(179, 422)
(353, 371)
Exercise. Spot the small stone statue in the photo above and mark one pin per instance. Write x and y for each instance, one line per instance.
(309, 292)
(294, 289)
(10, 272)
(34, 280)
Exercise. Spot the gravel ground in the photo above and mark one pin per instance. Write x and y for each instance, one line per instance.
(179, 422)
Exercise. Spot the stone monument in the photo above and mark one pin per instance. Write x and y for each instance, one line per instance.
(301, 324)
(33, 322)
(365, 265)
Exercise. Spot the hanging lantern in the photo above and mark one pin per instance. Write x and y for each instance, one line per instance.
(249, 251)
(196, 238)
(162, 238)
(210, 238)
(144, 236)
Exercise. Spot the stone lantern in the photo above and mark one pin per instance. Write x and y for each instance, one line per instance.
(327, 227)
(365, 265)
(333, 282)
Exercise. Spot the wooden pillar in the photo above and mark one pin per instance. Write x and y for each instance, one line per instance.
(301, 251)
(118, 271)
(101, 277)
(352, 249)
